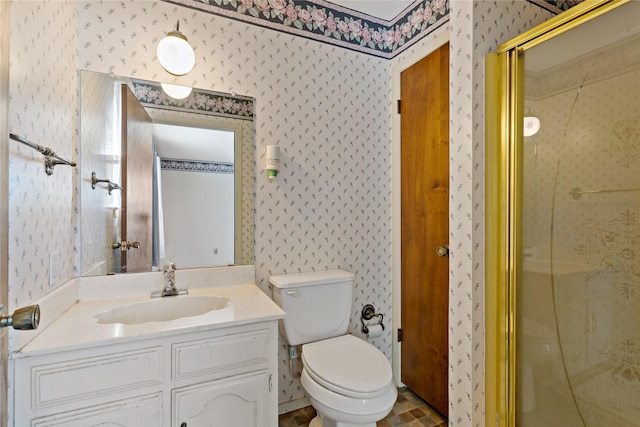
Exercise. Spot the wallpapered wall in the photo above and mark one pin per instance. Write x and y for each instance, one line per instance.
(328, 109)
(42, 108)
(477, 28)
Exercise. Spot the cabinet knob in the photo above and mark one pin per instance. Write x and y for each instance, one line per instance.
(183, 425)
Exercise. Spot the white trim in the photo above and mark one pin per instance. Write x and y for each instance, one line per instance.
(293, 405)
(437, 39)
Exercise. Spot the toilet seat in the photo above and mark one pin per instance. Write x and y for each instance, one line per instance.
(348, 366)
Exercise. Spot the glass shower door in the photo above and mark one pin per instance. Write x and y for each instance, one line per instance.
(578, 289)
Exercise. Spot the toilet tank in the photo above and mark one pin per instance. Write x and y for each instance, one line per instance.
(317, 304)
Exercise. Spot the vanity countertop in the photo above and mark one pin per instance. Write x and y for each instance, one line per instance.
(77, 328)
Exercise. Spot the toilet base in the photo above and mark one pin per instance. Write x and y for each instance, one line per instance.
(335, 410)
(322, 421)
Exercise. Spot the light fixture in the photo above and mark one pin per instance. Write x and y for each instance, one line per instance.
(175, 53)
(176, 91)
(531, 125)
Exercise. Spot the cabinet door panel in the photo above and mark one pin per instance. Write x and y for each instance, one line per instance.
(230, 353)
(239, 401)
(85, 378)
(141, 412)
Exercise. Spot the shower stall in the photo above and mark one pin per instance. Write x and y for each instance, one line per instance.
(566, 256)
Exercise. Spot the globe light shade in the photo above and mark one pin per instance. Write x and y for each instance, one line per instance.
(176, 91)
(531, 125)
(176, 54)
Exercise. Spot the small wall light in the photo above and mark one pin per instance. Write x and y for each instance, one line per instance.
(175, 91)
(175, 53)
(531, 125)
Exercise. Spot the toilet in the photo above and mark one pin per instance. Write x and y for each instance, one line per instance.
(347, 380)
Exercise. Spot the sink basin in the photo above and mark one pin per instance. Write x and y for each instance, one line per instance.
(164, 309)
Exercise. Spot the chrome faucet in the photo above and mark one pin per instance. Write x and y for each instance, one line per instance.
(169, 273)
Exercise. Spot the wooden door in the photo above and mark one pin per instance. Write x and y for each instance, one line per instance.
(424, 122)
(137, 180)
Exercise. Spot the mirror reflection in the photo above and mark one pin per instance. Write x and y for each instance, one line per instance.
(162, 179)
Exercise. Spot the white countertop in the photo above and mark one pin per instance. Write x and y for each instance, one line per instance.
(77, 328)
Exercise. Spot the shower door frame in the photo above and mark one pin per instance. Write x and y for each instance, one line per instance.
(504, 108)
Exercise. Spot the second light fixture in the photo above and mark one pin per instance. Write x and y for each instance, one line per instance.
(175, 53)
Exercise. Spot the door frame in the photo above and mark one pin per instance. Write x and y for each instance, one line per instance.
(4, 202)
(435, 40)
(504, 114)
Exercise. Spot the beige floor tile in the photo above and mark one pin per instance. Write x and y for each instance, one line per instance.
(409, 411)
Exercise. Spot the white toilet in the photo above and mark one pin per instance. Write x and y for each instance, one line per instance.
(348, 381)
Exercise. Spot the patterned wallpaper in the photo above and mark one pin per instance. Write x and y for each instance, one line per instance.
(477, 28)
(327, 109)
(43, 109)
(325, 106)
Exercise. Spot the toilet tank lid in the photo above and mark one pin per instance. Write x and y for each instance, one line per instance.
(295, 280)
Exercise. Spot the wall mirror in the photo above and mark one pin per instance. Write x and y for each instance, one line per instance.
(162, 179)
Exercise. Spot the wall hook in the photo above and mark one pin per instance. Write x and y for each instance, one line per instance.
(111, 185)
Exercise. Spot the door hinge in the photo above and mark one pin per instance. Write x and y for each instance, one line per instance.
(399, 104)
(399, 334)
(270, 382)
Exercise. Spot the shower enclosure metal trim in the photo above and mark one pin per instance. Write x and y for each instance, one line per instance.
(504, 107)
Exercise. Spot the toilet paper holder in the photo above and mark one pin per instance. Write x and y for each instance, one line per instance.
(368, 313)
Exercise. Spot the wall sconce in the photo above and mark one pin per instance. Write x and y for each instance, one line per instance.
(531, 125)
(175, 53)
(176, 91)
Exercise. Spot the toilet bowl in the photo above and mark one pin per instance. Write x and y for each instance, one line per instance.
(348, 382)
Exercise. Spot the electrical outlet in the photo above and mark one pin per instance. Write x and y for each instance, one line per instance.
(54, 260)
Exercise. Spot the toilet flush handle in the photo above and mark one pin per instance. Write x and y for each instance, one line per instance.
(293, 293)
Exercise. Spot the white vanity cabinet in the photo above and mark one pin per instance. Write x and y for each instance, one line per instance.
(215, 377)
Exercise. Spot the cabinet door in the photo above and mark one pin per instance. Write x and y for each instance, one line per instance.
(140, 411)
(240, 401)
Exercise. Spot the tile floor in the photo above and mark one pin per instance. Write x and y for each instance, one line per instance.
(409, 410)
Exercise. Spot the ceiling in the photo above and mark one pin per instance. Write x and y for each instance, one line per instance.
(383, 9)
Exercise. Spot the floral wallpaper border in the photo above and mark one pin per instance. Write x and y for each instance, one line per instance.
(329, 23)
(333, 24)
(196, 166)
(200, 101)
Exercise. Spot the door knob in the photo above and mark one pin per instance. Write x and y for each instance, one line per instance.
(128, 245)
(23, 318)
(443, 250)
